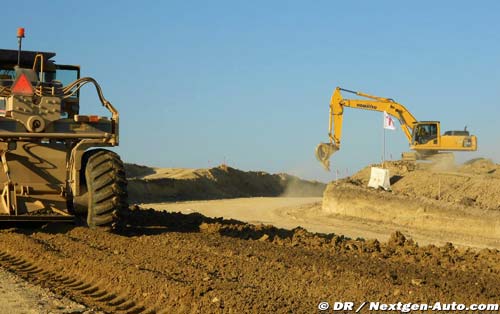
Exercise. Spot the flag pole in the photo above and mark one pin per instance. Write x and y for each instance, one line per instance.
(388, 124)
(383, 136)
(383, 156)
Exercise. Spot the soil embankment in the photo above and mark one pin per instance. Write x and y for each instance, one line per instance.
(148, 185)
(464, 200)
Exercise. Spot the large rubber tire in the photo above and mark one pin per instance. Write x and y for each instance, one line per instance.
(106, 187)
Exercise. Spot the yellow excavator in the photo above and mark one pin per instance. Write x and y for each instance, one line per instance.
(424, 137)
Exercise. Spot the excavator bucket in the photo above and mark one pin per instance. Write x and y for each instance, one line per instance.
(323, 153)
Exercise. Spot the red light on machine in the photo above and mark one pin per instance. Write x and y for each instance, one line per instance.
(94, 119)
(83, 118)
(22, 86)
(20, 32)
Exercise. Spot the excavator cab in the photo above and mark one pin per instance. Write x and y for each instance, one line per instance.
(426, 133)
(427, 139)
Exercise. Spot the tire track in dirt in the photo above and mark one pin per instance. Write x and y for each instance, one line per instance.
(22, 297)
(85, 291)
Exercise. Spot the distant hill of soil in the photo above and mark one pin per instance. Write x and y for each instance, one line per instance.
(148, 184)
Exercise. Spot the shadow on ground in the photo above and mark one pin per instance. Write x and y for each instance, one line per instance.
(149, 221)
(138, 221)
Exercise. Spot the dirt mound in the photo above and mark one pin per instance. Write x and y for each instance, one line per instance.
(476, 183)
(481, 166)
(174, 263)
(170, 184)
(138, 171)
(464, 201)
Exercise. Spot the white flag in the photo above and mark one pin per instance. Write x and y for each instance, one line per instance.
(388, 122)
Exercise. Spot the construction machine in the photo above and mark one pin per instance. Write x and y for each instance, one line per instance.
(50, 172)
(424, 137)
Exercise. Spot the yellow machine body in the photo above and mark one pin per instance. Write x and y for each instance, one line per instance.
(424, 137)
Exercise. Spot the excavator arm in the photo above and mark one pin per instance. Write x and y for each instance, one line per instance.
(374, 103)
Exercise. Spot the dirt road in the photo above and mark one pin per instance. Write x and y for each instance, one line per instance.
(291, 212)
(266, 210)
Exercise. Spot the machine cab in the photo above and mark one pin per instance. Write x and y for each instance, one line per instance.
(426, 133)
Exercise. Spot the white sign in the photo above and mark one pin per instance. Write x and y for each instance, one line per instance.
(379, 178)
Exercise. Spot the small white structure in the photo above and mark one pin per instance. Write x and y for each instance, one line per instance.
(379, 178)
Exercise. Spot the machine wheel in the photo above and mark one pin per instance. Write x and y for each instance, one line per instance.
(106, 187)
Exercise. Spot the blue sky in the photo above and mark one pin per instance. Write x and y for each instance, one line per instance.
(198, 83)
